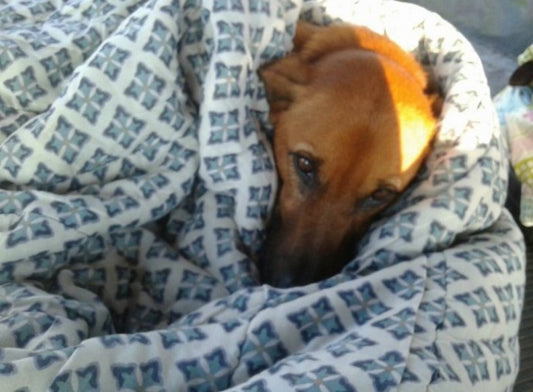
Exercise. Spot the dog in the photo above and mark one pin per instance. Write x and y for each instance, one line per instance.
(354, 116)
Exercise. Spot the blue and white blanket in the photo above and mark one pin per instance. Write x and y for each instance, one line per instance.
(135, 178)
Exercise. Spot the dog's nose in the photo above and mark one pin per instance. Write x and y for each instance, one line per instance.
(276, 273)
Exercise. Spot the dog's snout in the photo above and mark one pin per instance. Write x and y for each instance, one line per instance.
(281, 268)
(276, 269)
(286, 266)
(277, 279)
(302, 248)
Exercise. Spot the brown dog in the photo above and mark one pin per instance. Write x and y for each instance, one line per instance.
(353, 122)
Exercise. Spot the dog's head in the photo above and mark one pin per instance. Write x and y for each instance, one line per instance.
(353, 123)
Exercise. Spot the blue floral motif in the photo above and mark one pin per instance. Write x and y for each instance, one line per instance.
(257, 386)
(319, 379)
(481, 305)
(224, 241)
(88, 42)
(317, 320)
(67, 141)
(195, 286)
(222, 168)
(400, 325)
(224, 127)
(25, 87)
(256, 35)
(7, 369)
(273, 49)
(352, 342)
(440, 237)
(262, 348)
(212, 372)
(225, 204)
(511, 260)
(74, 213)
(120, 203)
(458, 201)
(127, 243)
(162, 43)
(146, 87)
(227, 84)
(88, 379)
(449, 171)
(173, 112)
(196, 252)
(125, 377)
(124, 128)
(482, 260)
(150, 185)
(260, 6)
(238, 276)
(98, 164)
(31, 226)
(501, 359)
(386, 371)
(45, 179)
(15, 202)
(151, 146)
(401, 226)
(225, 5)
(89, 100)
(261, 161)
(473, 359)
(230, 37)
(62, 382)
(178, 157)
(507, 297)
(13, 154)
(406, 286)
(58, 67)
(363, 303)
(110, 59)
(432, 357)
(11, 52)
(259, 201)
(491, 168)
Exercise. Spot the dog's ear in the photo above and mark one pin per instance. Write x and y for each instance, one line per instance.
(304, 31)
(284, 81)
(523, 75)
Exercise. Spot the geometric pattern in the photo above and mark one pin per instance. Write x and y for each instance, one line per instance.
(136, 176)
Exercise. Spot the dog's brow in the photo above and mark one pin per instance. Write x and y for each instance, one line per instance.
(306, 148)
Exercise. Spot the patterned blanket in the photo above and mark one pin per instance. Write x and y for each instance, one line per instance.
(135, 178)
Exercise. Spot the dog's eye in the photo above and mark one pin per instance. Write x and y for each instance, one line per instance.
(306, 168)
(379, 198)
(383, 195)
(304, 165)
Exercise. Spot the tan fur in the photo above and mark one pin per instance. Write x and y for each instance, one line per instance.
(355, 105)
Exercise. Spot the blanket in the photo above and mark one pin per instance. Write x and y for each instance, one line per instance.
(136, 176)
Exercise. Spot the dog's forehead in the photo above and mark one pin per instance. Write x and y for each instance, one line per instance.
(362, 154)
(392, 122)
(367, 126)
